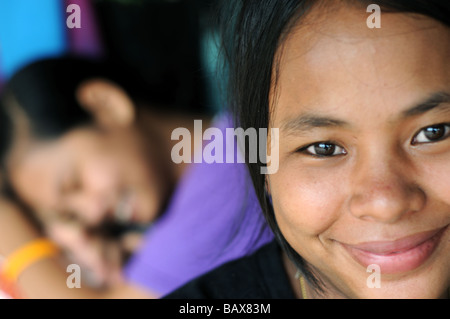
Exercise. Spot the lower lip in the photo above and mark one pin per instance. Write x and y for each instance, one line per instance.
(397, 262)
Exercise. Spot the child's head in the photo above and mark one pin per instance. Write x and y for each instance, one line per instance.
(72, 145)
(364, 137)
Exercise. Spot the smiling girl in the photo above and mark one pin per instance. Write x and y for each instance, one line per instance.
(364, 148)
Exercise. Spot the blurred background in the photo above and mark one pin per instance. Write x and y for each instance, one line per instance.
(171, 44)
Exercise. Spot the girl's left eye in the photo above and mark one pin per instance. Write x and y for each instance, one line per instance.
(432, 134)
(323, 149)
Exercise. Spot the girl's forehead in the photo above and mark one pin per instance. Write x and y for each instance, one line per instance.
(47, 150)
(322, 36)
(343, 62)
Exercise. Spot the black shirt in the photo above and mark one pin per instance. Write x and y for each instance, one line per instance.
(258, 276)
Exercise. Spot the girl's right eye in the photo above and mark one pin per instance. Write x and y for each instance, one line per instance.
(323, 149)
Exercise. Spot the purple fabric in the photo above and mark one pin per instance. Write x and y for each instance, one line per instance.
(213, 217)
(86, 40)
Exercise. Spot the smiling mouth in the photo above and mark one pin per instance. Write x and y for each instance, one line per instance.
(397, 256)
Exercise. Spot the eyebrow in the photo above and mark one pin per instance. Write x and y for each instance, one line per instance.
(306, 122)
(434, 101)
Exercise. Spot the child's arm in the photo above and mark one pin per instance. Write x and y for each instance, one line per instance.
(47, 277)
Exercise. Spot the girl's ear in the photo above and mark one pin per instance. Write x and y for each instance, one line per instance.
(107, 102)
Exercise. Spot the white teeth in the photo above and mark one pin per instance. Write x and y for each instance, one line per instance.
(124, 209)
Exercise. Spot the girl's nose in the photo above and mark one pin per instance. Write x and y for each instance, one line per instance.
(384, 192)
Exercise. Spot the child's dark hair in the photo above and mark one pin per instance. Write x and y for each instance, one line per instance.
(252, 31)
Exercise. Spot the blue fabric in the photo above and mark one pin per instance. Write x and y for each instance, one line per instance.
(30, 30)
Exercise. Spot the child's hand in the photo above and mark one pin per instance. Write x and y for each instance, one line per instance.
(100, 258)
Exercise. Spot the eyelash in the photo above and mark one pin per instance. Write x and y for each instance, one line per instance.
(419, 135)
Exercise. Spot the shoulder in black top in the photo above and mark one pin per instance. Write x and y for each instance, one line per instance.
(258, 276)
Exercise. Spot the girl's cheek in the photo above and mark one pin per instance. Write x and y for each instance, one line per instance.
(434, 178)
(309, 203)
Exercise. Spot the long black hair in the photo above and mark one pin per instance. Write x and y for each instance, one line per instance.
(251, 33)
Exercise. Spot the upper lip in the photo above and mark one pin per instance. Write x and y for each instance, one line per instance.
(396, 246)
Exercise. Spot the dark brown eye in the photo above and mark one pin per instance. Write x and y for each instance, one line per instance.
(432, 134)
(323, 149)
(435, 133)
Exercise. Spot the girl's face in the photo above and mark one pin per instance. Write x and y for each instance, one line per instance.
(364, 171)
(89, 175)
